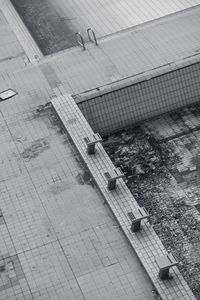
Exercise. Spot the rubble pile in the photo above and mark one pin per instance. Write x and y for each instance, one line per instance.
(147, 165)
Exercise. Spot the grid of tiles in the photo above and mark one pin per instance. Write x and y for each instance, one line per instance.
(54, 224)
(146, 243)
(107, 17)
(134, 103)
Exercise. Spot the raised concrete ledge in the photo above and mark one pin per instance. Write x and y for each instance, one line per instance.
(145, 243)
(136, 79)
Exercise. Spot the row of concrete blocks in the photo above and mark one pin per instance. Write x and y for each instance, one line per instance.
(164, 262)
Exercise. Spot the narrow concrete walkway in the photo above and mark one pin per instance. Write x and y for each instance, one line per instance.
(30, 47)
(12, 55)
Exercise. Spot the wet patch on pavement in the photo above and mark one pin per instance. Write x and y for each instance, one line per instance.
(36, 148)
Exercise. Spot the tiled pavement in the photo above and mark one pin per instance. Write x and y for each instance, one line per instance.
(53, 246)
(55, 241)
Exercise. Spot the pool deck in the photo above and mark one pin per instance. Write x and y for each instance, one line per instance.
(54, 228)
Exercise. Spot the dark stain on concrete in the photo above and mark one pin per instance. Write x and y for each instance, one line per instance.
(36, 148)
(84, 178)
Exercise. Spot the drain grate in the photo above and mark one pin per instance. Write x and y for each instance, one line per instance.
(7, 94)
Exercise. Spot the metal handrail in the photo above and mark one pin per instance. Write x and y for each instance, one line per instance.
(80, 40)
(94, 40)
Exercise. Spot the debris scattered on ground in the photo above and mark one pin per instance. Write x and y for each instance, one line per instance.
(148, 167)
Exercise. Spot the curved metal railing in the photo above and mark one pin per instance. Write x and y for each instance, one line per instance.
(94, 39)
(80, 40)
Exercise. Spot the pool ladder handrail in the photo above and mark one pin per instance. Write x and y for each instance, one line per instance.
(80, 40)
(94, 40)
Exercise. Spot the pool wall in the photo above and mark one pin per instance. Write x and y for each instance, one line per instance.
(121, 104)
